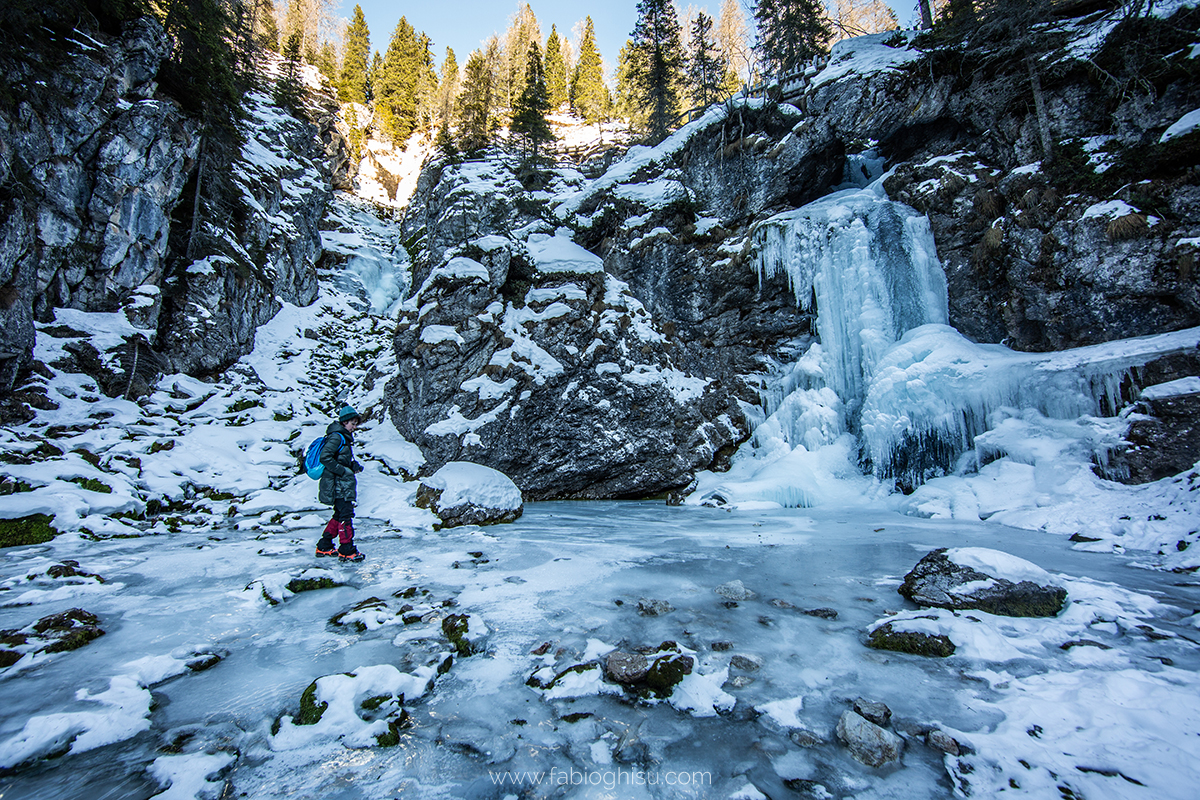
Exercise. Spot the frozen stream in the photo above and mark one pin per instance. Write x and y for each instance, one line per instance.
(572, 574)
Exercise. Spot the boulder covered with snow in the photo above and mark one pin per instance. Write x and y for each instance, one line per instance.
(462, 493)
(983, 579)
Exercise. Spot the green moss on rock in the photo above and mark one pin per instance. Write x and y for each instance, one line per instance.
(33, 529)
(668, 671)
(392, 737)
(885, 637)
(455, 627)
(9, 657)
(310, 713)
(297, 585)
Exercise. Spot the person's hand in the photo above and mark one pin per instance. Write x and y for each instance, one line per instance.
(357, 467)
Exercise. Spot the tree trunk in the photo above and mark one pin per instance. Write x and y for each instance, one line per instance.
(1039, 102)
(926, 15)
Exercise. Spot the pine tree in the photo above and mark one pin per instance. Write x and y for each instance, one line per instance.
(355, 53)
(706, 69)
(327, 62)
(289, 90)
(522, 31)
(556, 71)
(266, 26)
(658, 71)
(374, 76)
(476, 109)
(396, 89)
(626, 102)
(587, 83)
(529, 112)
(448, 91)
(790, 33)
(426, 92)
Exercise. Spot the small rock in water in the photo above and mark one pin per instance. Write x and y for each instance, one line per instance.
(721, 646)
(867, 742)
(805, 738)
(781, 603)
(940, 740)
(653, 608)
(627, 668)
(734, 590)
(878, 713)
(740, 681)
(886, 637)
(1084, 643)
(823, 613)
(746, 663)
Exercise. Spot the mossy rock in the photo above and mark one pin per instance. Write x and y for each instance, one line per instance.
(392, 737)
(373, 703)
(297, 585)
(203, 662)
(92, 485)
(66, 621)
(885, 637)
(74, 639)
(668, 671)
(9, 657)
(33, 529)
(455, 627)
(158, 447)
(310, 713)
(244, 404)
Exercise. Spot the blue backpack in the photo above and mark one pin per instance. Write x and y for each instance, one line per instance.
(312, 458)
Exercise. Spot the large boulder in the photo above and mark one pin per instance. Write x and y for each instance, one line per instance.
(462, 493)
(867, 742)
(983, 579)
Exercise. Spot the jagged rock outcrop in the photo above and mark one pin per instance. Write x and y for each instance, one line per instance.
(526, 357)
(94, 161)
(102, 174)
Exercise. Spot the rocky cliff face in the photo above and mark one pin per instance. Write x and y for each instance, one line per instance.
(93, 164)
(101, 177)
(519, 352)
(1094, 244)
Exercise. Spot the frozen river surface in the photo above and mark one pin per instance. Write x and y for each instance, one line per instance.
(756, 718)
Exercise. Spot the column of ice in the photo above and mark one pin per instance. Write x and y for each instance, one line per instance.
(872, 269)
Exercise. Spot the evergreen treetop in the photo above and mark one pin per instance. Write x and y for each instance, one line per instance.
(355, 55)
(657, 72)
(556, 70)
(707, 67)
(790, 33)
(587, 83)
(529, 112)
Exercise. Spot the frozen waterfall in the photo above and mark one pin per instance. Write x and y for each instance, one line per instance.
(890, 387)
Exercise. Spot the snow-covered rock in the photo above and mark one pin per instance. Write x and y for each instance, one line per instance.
(462, 493)
(988, 580)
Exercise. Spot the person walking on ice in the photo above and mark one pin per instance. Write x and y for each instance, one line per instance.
(339, 486)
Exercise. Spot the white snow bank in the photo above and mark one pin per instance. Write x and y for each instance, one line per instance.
(344, 694)
(1171, 389)
(1001, 565)
(125, 713)
(864, 55)
(558, 254)
(187, 776)
(1183, 126)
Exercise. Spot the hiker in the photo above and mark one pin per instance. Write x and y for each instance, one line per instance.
(339, 487)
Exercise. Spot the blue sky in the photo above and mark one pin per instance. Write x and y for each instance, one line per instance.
(463, 24)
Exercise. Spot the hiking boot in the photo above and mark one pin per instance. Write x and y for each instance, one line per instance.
(326, 547)
(352, 557)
